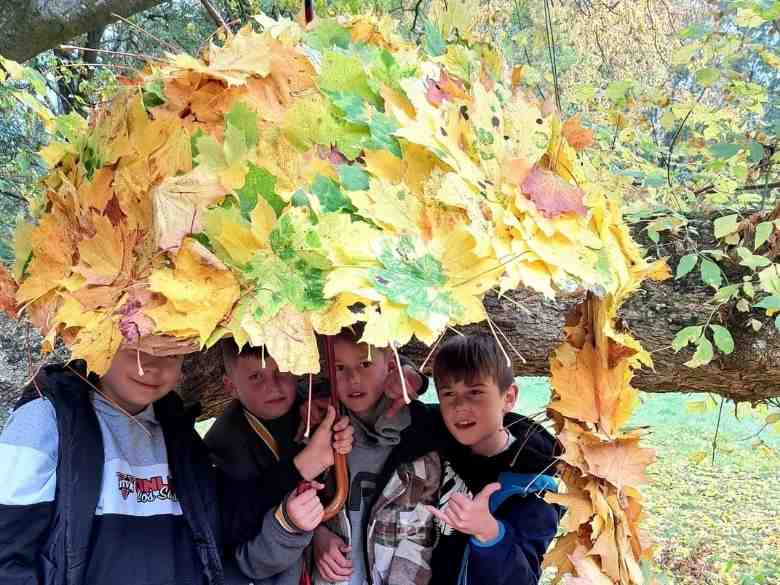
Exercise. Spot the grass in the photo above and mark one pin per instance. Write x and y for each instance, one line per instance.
(715, 523)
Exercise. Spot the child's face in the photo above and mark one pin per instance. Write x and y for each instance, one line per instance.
(361, 375)
(124, 384)
(264, 391)
(474, 412)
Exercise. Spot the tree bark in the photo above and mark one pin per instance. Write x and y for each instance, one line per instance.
(32, 26)
(653, 315)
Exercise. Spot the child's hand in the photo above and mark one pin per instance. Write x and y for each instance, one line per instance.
(394, 390)
(305, 509)
(317, 456)
(343, 436)
(331, 556)
(471, 516)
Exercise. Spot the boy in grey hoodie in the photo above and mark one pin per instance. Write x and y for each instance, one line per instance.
(385, 536)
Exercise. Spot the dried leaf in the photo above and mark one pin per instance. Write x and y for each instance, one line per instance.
(552, 195)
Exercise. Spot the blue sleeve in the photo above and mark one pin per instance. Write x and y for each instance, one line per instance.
(28, 464)
(515, 556)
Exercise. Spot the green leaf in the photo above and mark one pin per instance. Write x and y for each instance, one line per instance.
(752, 261)
(433, 43)
(726, 225)
(653, 235)
(755, 151)
(707, 76)
(685, 336)
(770, 279)
(723, 339)
(717, 254)
(329, 195)
(617, 91)
(703, 354)
(724, 150)
(351, 105)
(770, 303)
(710, 273)
(154, 94)
(725, 293)
(343, 71)
(382, 128)
(353, 178)
(70, 126)
(259, 182)
(685, 265)
(414, 278)
(695, 31)
(328, 34)
(763, 231)
(196, 136)
(243, 119)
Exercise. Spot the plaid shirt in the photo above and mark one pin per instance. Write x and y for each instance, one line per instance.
(401, 533)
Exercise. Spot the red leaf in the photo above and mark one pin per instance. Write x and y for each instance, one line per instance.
(552, 195)
(578, 137)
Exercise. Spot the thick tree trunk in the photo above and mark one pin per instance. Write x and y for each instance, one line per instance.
(654, 315)
(32, 26)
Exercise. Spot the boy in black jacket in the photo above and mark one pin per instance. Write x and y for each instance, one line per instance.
(106, 481)
(256, 437)
(502, 531)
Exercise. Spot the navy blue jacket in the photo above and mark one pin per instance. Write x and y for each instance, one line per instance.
(527, 524)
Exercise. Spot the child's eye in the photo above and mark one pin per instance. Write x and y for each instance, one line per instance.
(339, 368)
(366, 364)
(255, 377)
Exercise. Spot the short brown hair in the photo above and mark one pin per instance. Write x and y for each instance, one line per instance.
(467, 358)
(231, 352)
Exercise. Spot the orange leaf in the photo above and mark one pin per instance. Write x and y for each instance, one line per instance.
(572, 378)
(578, 137)
(621, 462)
(8, 288)
(552, 195)
(100, 257)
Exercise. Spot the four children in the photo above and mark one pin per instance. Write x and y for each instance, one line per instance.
(106, 478)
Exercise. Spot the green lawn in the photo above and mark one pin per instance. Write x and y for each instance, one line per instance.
(712, 524)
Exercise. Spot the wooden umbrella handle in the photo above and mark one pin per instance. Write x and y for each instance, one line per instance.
(340, 461)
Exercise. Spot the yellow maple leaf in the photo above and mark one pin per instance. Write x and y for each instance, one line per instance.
(338, 314)
(244, 55)
(388, 323)
(51, 260)
(100, 256)
(97, 343)
(289, 338)
(199, 292)
(389, 206)
(179, 204)
(232, 236)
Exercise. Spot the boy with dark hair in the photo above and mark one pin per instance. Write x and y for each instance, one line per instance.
(106, 481)
(256, 437)
(502, 532)
(385, 536)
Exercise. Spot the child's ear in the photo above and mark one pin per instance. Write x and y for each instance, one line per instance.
(510, 398)
(229, 386)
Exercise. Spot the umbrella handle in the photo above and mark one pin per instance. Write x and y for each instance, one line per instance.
(340, 461)
(308, 10)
